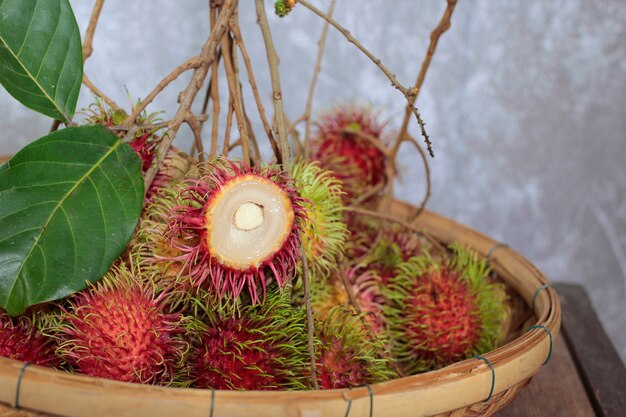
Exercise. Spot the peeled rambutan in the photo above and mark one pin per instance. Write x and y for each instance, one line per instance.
(21, 340)
(324, 232)
(348, 142)
(258, 347)
(121, 329)
(237, 226)
(443, 312)
(348, 355)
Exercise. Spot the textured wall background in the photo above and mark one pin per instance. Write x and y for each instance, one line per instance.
(525, 103)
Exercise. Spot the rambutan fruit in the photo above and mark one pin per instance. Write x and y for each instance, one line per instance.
(349, 142)
(366, 293)
(144, 141)
(443, 312)
(151, 249)
(237, 226)
(348, 355)
(256, 347)
(120, 329)
(283, 7)
(21, 340)
(324, 232)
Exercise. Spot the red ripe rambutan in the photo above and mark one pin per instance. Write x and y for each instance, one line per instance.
(119, 329)
(443, 313)
(348, 142)
(20, 340)
(347, 354)
(260, 347)
(235, 226)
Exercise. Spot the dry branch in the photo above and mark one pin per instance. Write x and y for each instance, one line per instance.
(316, 71)
(407, 92)
(207, 55)
(191, 63)
(277, 95)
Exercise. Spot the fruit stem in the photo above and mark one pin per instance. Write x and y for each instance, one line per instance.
(309, 316)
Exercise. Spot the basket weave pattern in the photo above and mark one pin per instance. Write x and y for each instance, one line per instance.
(458, 390)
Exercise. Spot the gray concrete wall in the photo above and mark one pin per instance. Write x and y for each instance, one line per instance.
(525, 103)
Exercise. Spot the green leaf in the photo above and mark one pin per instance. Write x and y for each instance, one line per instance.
(69, 203)
(41, 60)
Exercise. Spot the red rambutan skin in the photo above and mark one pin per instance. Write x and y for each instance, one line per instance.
(122, 333)
(144, 145)
(341, 146)
(188, 233)
(338, 368)
(20, 340)
(444, 324)
(232, 358)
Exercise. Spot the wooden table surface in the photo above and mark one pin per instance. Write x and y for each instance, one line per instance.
(585, 376)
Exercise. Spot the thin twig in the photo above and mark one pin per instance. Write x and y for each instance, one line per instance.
(255, 90)
(444, 25)
(393, 219)
(55, 125)
(407, 92)
(91, 29)
(191, 63)
(140, 126)
(351, 296)
(316, 71)
(195, 127)
(309, 317)
(422, 205)
(99, 93)
(233, 80)
(188, 95)
(277, 95)
(229, 127)
(215, 94)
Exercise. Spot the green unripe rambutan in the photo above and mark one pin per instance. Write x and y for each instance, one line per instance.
(324, 232)
(443, 312)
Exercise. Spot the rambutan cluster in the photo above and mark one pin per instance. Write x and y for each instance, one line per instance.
(213, 297)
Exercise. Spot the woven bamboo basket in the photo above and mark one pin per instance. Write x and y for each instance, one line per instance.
(474, 387)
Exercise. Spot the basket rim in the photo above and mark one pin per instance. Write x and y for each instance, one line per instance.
(532, 345)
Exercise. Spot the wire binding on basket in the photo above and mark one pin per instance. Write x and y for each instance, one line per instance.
(495, 247)
(369, 388)
(493, 375)
(349, 400)
(212, 402)
(19, 384)
(532, 304)
(550, 336)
